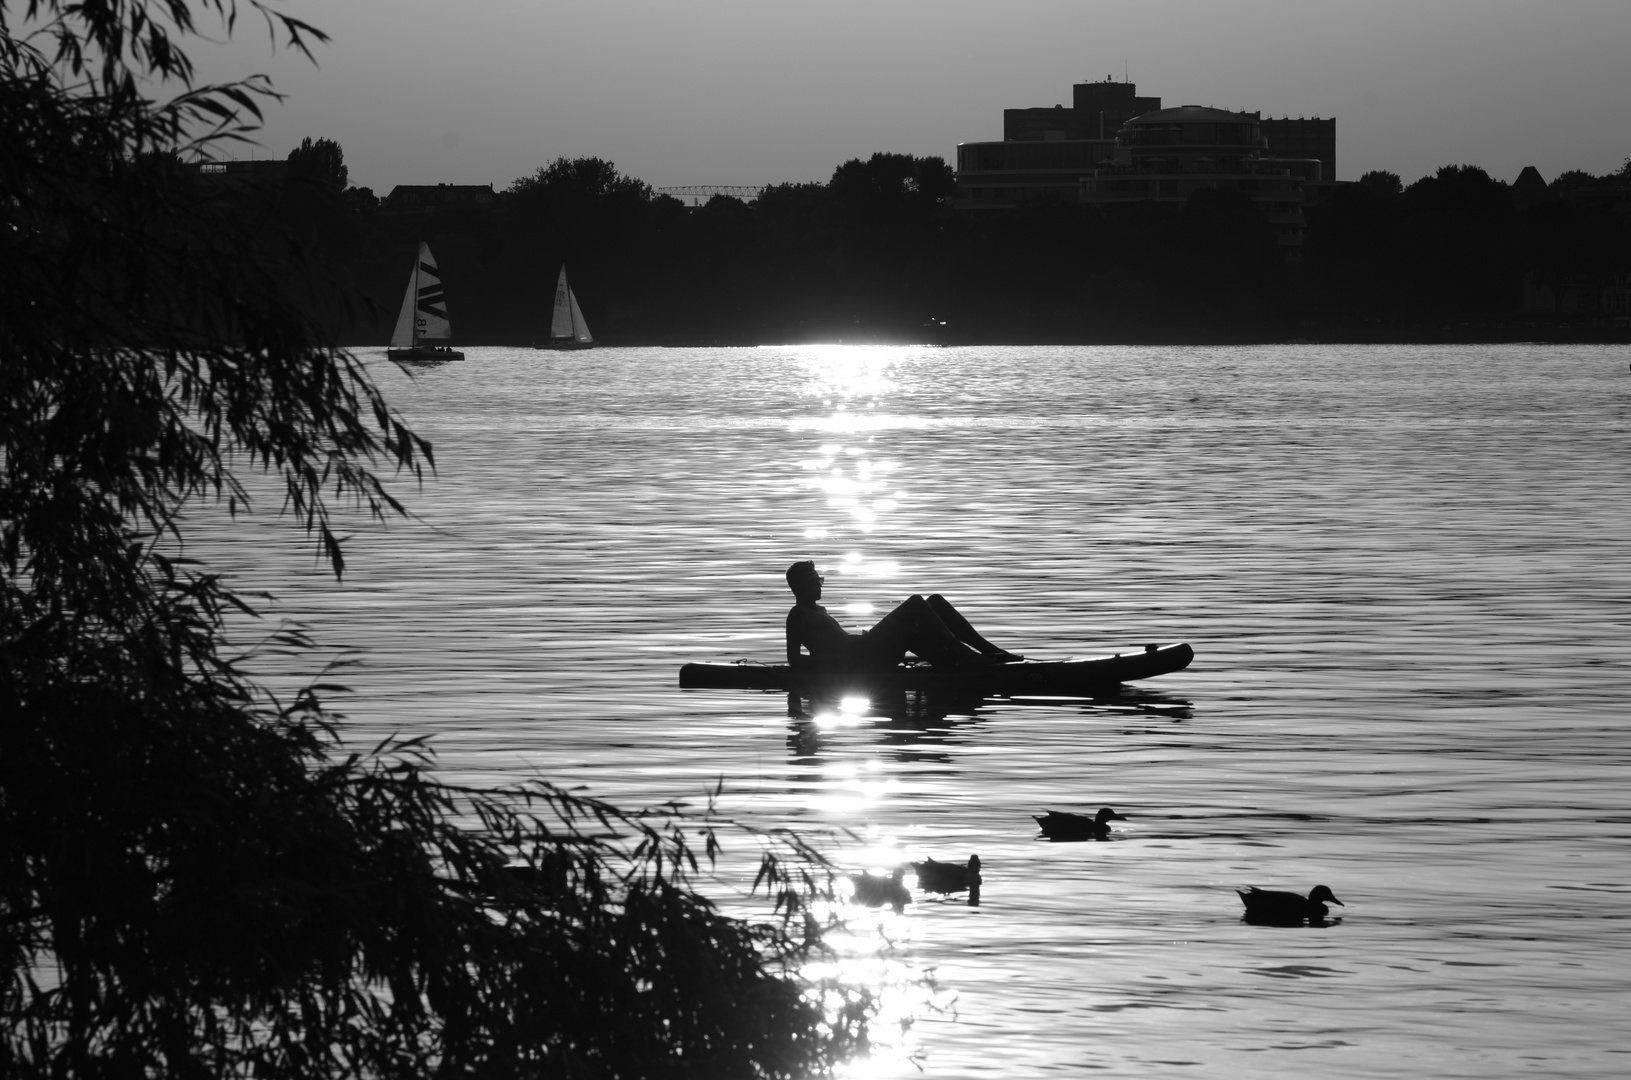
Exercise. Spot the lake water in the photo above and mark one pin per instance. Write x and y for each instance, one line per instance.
(1403, 570)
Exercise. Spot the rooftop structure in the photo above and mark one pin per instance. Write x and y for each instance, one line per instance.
(1044, 152)
(1190, 138)
(1529, 188)
(1097, 110)
(1311, 137)
(242, 171)
(1152, 155)
(431, 198)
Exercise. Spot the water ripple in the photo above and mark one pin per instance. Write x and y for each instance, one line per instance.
(1403, 570)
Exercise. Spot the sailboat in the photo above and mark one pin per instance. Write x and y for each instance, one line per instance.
(567, 329)
(423, 322)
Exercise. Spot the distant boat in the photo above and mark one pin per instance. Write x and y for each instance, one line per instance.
(568, 329)
(423, 319)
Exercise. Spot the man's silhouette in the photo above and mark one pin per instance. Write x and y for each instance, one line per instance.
(928, 627)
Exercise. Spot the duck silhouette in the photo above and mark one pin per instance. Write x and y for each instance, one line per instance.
(1062, 826)
(949, 877)
(875, 890)
(518, 884)
(1274, 906)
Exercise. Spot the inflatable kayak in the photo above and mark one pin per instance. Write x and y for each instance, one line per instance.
(1064, 677)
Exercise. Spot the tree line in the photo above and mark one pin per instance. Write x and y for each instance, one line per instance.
(878, 251)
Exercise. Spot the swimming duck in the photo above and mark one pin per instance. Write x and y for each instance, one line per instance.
(1269, 905)
(519, 883)
(875, 890)
(947, 877)
(1061, 826)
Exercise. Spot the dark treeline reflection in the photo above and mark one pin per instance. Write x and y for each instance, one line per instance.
(878, 251)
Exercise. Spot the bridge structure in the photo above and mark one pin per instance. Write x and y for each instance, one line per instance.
(700, 193)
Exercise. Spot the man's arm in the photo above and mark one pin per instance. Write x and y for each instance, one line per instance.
(795, 638)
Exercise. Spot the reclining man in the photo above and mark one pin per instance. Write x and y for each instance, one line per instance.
(927, 627)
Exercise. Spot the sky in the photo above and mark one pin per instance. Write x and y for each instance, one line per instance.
(748, 93)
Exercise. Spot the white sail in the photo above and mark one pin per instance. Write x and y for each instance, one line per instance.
(560, 324)
(430, 314)
(580, 327)
(567, 327)
(402, 336)
(424, 309)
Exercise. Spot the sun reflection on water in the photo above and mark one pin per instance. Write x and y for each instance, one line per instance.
(872, 949)
(853, 484)
(849, 476)
(876, 945)
(848, 790)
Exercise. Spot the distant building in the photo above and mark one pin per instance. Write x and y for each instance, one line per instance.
(1150, 155)
(1313, 137)
(1529, 188)
(434, 198)
(1002, 175)
(1097, 111)
(1045, 152)
(1167, 156)
(242, 171)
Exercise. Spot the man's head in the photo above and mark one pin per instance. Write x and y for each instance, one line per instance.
(804, 581)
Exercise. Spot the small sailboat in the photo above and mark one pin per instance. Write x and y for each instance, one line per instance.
(567, 328)
(422, 327)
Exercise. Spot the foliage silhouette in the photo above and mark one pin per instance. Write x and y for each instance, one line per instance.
(197, 879)
(581, 181)
(887, 187)
(322, 161)
(1382, 183)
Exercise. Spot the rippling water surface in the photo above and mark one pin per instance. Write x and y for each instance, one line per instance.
(1403, 571)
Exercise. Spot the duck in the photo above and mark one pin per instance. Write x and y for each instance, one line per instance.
(1271, 905)
(520, 883)
(875, 890)
(947, 877)
(1063, 826)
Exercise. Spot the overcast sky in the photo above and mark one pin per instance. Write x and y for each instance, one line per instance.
(712, 92)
